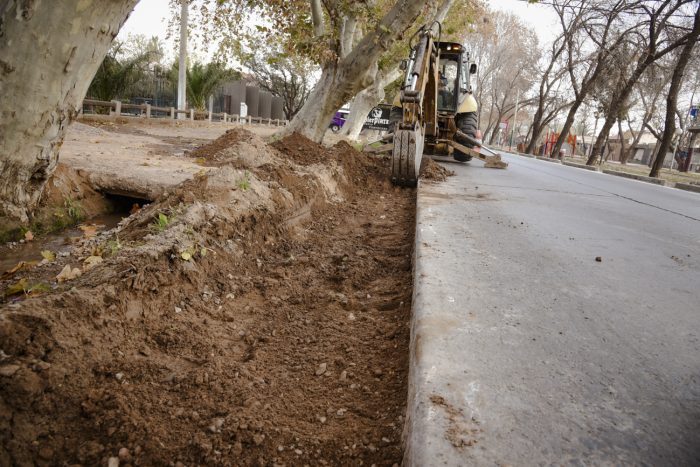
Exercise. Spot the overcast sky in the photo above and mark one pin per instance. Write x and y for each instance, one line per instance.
(150, 17)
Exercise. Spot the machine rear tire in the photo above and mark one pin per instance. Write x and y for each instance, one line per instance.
(467, 124)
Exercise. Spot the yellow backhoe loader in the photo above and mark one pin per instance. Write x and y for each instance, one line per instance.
(435, 112)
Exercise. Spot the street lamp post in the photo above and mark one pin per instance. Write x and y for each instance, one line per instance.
(182, 64)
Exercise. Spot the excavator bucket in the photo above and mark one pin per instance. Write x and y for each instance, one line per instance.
(406, 157)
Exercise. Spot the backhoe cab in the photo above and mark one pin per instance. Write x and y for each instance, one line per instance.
(435, 112)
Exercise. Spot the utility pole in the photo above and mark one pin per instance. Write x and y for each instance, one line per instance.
(515, 119)
(182, 66)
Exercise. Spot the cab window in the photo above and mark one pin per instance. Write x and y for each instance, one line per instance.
(448, 85)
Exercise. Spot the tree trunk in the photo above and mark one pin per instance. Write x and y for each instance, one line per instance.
(536, 131)
(688, 160)
(343, 79)
(598, 146)
(372, 95)
(48, 56)
(314, 117)
(672, 98)
(622, 138)
(637, 138)
(567, 128)
(363, 103)
(496, 129)
(365, 100)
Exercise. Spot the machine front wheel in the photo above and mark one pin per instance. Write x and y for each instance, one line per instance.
(467, 123)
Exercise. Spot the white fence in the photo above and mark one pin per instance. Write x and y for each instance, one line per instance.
(116, 109)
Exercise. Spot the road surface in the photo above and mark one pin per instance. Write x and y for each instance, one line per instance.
(528, 351)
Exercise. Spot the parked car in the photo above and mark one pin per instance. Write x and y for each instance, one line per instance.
(338, 121)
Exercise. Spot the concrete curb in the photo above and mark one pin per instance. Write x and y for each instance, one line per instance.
(522, 154)
(424, 429)
(656, 181)
(641, 178)
(592, 168)
(547, 159)
(688, 187)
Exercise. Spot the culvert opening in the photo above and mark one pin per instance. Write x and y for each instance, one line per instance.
(56, 238)
(125, 205)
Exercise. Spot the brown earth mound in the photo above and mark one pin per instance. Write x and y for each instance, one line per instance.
(434, 172)
(215, 153)
(302, 151)
(261, 320)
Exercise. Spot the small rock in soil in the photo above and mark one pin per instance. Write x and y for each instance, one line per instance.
(216, 425)
(598, 259)
(41, 365)
(8, 370)
(46, 453)
(124, 455)
(67, 274)
(321, 369)
(113, 462)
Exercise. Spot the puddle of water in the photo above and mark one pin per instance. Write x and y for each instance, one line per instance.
(56, 242)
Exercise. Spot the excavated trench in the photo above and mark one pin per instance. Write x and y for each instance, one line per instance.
(113, 209)
(257, 315)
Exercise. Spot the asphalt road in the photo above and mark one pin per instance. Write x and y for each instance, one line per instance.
(530, 351)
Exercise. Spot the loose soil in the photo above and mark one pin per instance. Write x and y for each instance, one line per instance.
(263, 322)
(298, 148)
(434, 172)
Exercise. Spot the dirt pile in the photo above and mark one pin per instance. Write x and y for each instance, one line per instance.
(434, 172)
(217, 152)
(302, 151)
(256, 315)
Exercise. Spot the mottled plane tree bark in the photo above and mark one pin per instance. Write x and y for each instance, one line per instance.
(49, 52)
(349, 67)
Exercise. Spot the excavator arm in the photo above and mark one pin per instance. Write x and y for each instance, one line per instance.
(418, 100)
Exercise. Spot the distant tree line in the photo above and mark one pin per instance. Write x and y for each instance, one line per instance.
(136, 69)
(624, 62)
